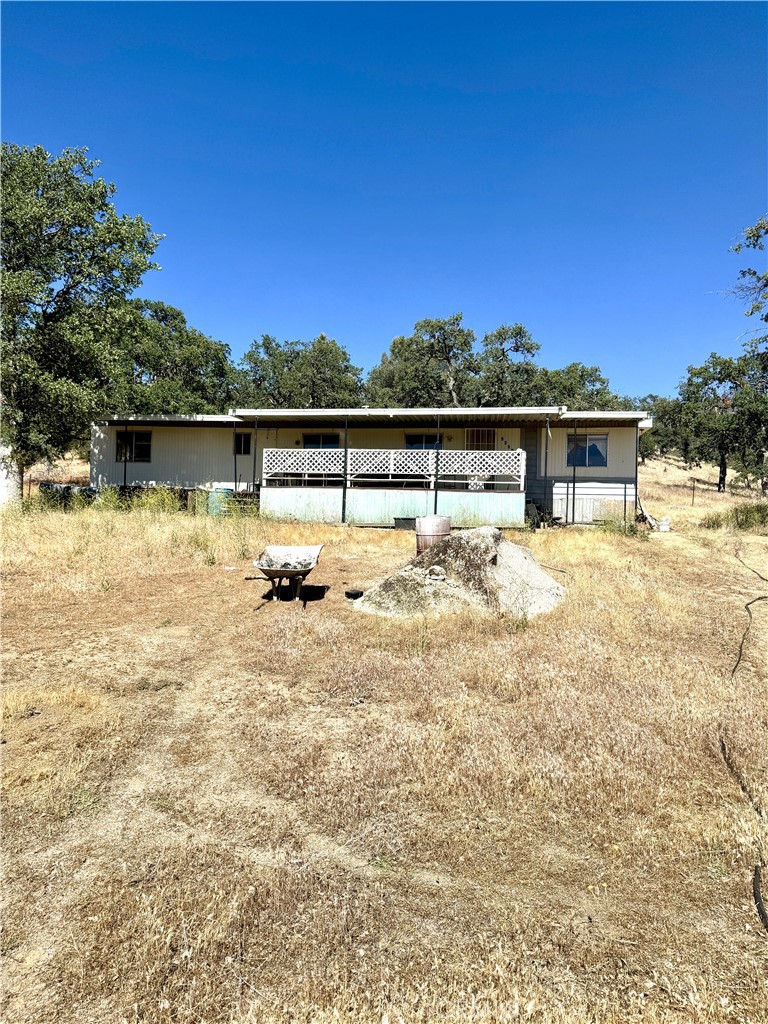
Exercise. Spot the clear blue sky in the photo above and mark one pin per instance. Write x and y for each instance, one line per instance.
(350, 168)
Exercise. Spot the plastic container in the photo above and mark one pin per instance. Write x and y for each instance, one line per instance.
(219, 499)
(430, 530)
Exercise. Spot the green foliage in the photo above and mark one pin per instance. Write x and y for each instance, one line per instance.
(666, 432)
(577, 386)
(721, 414)
(504, 379)
(156, 500)
(747, 516)
(109, 500)
(299, 375)
(628, 529)
(168, 366)
(68, 260)
(753, 284)
(439, 366)
(433, 367)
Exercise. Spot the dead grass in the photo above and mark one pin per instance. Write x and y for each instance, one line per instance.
(669, 488)
(223, 810)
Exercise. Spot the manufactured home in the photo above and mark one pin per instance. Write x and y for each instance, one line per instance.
(369, 466)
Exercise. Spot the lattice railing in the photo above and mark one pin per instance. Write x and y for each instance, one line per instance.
(390, 462)
(379, 464)
(484, 464)
(315, 461)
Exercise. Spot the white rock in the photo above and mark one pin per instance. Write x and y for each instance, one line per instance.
(481, 569)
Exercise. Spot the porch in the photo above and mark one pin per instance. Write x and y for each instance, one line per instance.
(377, 485)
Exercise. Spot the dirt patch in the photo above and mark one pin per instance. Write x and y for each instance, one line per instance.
(257, 811)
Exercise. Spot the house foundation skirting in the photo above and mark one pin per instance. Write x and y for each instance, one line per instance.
(380, 506)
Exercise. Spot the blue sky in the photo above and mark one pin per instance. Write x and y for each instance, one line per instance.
(350, 168)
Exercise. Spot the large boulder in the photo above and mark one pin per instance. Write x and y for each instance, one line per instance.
(474, 568)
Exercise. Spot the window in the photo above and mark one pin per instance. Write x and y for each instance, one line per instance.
(481, 439)
(588, 450)
(134, 446)
(321, 440)
(418, 442)
(242, 444)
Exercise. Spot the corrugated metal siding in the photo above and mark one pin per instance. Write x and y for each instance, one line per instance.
(596, 500)
(323, 504)
(535, 489)
(202, 456)
(181, 457)
(621, 454)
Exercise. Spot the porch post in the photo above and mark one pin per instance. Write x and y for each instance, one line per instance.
(345, 468)
(255, 449)
(637, 460)
(125, 456)
(573, 517)
(437, 461)
(546, 466)
(234, 456)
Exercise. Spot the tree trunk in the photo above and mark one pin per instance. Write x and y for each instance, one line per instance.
(452, 387)
(723, 471)
(11, 478)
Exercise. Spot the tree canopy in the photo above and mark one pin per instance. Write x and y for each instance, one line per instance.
(431, 367)
(753, 284)
(440, 365)
(68, 261)
(168, 366)
(314, 374)
(721, 411)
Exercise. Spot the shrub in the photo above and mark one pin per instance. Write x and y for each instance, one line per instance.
(157, 499)
(626, 529)
(752, 515)
(712, 520)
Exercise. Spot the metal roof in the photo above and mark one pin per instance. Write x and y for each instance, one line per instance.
(164, 420)
(487, 414)
(596, 418)
(384, 417)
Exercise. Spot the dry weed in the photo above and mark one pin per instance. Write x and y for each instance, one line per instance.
(233, 810)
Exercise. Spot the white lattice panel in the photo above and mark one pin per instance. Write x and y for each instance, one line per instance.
(364, 462)
(303, 460)
(483, 463)
(390, 461)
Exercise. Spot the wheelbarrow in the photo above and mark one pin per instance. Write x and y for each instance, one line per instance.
(293, 564)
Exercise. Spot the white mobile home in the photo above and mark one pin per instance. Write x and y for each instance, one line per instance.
(479, 466)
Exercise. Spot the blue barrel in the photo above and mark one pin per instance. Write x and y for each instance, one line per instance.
(219, 499)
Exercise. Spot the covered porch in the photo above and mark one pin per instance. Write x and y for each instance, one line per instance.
(371, 466)
(378, 485)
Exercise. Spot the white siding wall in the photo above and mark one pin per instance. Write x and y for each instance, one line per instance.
(202, 456)
(181, 457)
(596, 501)
(621, 453)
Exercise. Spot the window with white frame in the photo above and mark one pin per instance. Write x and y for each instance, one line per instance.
(242, 443)
(419, 442)
(480, 439)
(321, 440)
(587, 450)
(134, 446)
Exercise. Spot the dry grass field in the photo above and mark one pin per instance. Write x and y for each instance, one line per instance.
(223, 810)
